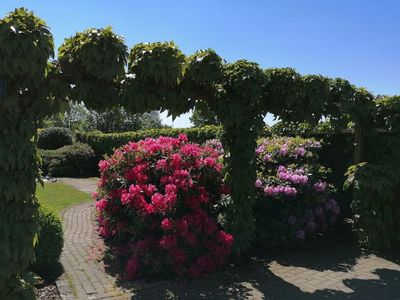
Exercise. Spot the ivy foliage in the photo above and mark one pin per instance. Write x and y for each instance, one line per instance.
(97, 53)
(159, 64)
(388, 113)
(375, 204)
(26, 44)
(204, 67)
(155, 71)
(28, 41)
(90, 59)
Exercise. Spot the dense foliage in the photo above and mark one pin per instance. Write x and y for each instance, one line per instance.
(376, 204)
(388, 113)
(376, 182)
(92, 59)
(157, 206)
(336, 153)
(26, 44)
(77, 160)
(293, 201)
(106, 143)
(203, 116)
(155, 71)
(49, 246)
(54, 138)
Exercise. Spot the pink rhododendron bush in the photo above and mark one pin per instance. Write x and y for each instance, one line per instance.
(294, 201)
(156, 206)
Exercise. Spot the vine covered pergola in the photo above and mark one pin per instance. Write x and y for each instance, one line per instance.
(96, 67)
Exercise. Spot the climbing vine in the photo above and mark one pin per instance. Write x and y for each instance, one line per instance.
(96, 67)
(25, 47)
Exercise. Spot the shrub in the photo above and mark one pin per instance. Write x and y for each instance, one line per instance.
(49, 247)
(376, 205)
(293, 199)
(105, 143)
(54, 138)
(156, 206)
(336, 152)
(77, 160)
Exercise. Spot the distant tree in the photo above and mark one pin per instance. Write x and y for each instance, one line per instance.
(150, 120)
(202, 116)
(78, 117)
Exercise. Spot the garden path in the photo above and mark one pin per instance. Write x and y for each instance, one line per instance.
(337, 273)
(84, 276)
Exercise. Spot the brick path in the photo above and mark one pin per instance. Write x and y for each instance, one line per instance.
(81, 257)
(338, 273)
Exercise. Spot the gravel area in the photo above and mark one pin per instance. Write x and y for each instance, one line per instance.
(47, 292)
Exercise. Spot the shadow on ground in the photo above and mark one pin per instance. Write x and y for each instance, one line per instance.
(257, 281)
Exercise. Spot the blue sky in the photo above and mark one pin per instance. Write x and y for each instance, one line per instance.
(357, 40)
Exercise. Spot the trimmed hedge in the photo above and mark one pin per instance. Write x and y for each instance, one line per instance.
(49, 247)
(104, 143)
(54, 137)
(77, 160)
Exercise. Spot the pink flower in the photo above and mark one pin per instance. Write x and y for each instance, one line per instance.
(258, 183)
(270, 191)
(183, 138)
(171, 189)
(135, 190)
(157, 200)
(104, 165)
(209, 162)
(101, 204)
(320, 186)
(149, 189)
(300, 151)
(166, 224)
(225, 238)
(161, 164)
(284, 150)
(126, 198)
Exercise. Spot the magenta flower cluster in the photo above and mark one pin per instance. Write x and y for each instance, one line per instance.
(297, 176)
(156, 204)
(291, 191)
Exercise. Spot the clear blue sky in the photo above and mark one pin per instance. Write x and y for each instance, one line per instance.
(357, 40)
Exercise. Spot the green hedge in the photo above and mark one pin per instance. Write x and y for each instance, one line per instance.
(49, 247)
(77, 160)
(104, 143)
(376, 204)
(54, 138)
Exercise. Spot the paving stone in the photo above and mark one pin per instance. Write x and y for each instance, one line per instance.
(308, 276)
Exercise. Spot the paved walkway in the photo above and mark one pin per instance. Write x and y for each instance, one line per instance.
(84, 276)
(338, 273)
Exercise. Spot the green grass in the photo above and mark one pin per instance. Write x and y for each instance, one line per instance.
(57, 196)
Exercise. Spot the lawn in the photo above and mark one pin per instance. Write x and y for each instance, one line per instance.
(57, 196)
